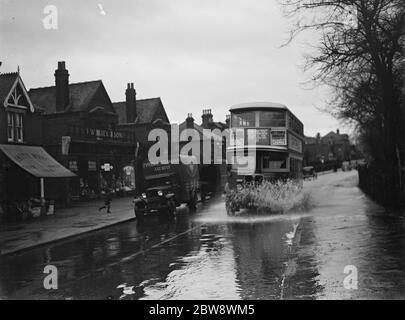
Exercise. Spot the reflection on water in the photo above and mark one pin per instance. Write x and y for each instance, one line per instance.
(181, 259)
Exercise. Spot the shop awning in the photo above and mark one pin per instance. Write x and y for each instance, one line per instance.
(36, 161)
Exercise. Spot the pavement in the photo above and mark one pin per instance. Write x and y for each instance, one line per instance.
(67, 222)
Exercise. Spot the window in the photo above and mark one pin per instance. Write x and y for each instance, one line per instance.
(295, 125)
(19, 126)
(73, 166)
(272, 119)
(10, 126)
(274, 162)
(258, 136)
(244, 119)
(15, 127)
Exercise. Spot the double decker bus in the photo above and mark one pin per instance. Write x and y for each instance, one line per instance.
(272, 135)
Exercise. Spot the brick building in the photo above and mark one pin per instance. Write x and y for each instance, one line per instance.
(140, 116)
(80, 129)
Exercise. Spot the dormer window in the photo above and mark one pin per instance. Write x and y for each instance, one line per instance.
(15, 126)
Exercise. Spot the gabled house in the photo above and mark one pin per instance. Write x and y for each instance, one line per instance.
(333, 147)
(24, 163)
(80, 130)
(18, 118)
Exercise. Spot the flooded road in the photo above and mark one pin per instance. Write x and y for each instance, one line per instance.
(208, 255)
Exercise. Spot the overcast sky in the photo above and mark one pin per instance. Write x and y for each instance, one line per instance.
(194, 54)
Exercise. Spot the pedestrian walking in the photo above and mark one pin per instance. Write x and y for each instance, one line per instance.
(107, 201)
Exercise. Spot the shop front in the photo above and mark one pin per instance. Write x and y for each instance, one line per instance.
(25, 171)
(100, 167)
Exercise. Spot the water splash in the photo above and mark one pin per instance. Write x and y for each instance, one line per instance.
(251, 219)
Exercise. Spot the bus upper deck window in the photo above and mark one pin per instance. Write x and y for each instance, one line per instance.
(244, 119)
(272, 119)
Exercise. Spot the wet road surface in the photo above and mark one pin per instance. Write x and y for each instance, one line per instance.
(208, 255)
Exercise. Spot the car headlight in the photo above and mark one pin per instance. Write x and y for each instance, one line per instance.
(160, 193)
(144, 195)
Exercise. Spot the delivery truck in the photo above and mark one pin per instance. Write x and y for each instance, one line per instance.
(164, 187)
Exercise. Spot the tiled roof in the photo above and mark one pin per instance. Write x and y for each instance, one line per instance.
(216, 125)
(6, 82)
(335, 136)
(145, 108)
(183, 126)
(80, 95)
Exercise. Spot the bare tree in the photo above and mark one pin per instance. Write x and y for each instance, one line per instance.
(360, 54)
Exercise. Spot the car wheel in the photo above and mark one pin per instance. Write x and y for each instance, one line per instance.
(139, 214)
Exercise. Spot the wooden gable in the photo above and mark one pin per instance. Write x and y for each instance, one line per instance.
(18, 97)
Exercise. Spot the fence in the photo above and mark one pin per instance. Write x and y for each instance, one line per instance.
(381, 185)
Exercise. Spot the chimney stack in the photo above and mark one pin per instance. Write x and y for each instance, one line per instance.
(338, 131)
(190, 121)
(62, 87)
(130, 103)
(206, 118)
(318, 138)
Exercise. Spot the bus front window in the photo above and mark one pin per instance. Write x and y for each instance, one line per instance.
(272, 119)
(244, 119)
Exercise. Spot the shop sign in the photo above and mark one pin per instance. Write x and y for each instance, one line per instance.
(107, 167)
(104, 134)
(150, 169)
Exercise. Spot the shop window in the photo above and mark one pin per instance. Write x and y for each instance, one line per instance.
(73, 166)
(92, 166)
(128, 178)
